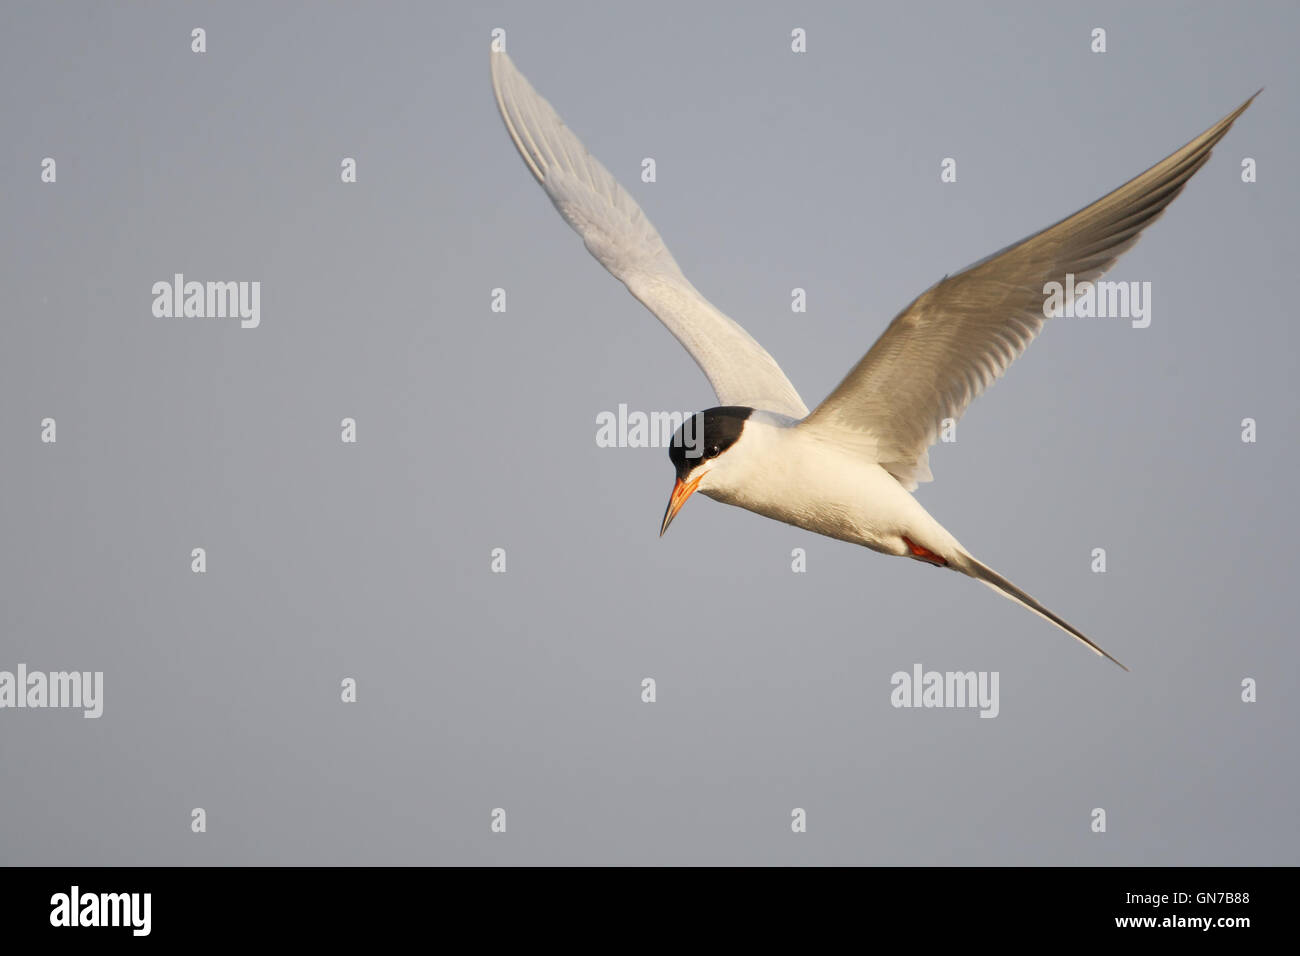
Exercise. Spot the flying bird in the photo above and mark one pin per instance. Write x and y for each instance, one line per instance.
(848, 468)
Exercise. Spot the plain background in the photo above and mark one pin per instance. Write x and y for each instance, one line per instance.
(477, 431)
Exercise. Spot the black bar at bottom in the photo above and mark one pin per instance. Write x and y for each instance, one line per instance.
(93, 905)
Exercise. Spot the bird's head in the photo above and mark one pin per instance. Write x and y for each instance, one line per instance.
(699, 453)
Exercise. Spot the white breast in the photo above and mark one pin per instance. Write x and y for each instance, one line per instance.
(791, 475)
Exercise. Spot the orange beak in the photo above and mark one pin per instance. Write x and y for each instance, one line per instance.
(681, 491)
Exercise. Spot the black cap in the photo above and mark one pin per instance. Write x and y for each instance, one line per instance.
(705, 435)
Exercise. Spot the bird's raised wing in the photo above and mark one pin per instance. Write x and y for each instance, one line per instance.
(618, 234)
(960, 335)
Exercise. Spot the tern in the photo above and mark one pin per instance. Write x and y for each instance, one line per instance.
(846, 470)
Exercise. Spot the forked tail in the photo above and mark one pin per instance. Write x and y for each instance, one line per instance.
(981, 572)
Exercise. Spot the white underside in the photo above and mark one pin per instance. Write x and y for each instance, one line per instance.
(796, 475)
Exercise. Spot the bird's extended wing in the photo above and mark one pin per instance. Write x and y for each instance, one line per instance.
(960, 335)
(618, 234)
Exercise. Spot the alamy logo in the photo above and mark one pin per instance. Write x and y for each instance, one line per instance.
(946, 689)
(74, 689)
(208, 300)
(624, 429)
(102, 909)
(1100, 300)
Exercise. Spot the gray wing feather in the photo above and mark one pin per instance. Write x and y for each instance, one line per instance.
(960, 335)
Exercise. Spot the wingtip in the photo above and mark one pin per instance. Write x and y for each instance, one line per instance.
(499, 58)
(1242, 108)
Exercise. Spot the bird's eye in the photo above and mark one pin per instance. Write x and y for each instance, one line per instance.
(715, 451)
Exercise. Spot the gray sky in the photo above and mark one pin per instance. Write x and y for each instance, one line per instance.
(476, 430)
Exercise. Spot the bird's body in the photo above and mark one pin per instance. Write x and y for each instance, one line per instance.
(847, 469)
(795, 475)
